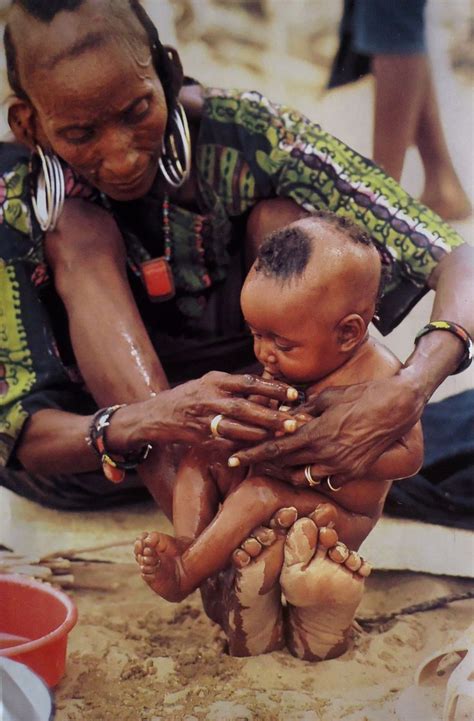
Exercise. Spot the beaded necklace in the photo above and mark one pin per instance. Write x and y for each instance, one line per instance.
(156, 273)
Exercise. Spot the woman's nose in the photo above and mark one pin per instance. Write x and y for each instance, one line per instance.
(120, 158)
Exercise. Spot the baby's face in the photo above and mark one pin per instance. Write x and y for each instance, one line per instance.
(294, 335)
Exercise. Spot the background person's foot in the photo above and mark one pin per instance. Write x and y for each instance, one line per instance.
(448, 200)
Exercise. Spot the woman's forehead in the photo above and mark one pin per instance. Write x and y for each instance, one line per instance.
(42, 46)
(100, 81)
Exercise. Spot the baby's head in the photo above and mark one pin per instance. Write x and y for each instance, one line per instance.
(310, 296)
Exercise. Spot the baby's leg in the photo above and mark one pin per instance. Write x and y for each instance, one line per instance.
(195, 501)
(246, 600)
(247, 507)
(323, 588)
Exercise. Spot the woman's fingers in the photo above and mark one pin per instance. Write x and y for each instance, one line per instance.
(350, 434)
(248, 384)
(271, 449)
(233, 430)
(251, 414)
(317, 404)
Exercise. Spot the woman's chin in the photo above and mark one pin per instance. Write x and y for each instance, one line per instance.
(132, 191)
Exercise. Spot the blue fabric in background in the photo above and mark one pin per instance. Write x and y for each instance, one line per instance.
(442, 492)
(376, 27)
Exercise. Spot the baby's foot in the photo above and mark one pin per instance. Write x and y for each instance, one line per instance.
(246, 599)
(323, 585)
(264, 536)
(159, 558)
(323, 516)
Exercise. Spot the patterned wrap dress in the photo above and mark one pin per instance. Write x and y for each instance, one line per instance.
(249, 149)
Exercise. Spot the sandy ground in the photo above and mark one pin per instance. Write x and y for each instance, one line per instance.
(133, 657)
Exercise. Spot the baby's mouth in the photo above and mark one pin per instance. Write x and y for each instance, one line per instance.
(272, 375)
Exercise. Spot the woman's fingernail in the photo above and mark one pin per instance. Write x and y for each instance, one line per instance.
(233, 462)
(290, 426)
(292, 394)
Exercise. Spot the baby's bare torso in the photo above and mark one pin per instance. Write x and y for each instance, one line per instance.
(371, 362)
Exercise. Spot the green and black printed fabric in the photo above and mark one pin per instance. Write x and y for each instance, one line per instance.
(249, 149)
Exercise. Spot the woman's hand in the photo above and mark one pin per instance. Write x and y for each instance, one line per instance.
(353, 427)
(184, 413)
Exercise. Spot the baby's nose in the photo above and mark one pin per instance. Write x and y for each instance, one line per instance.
(267, 355)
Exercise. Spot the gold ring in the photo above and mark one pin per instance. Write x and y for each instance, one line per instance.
(215, 425)
(309, 477)
(333, 488)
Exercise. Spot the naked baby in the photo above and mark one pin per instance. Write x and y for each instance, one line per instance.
(308, 300)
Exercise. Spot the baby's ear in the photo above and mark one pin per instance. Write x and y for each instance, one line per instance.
(22, 121)
(350, 332)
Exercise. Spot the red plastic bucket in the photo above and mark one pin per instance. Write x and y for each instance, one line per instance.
(35, 620)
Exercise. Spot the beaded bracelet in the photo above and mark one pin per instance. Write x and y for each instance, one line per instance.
(113, 465)
(456, 330)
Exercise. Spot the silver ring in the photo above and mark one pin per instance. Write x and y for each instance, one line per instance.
(335, 489)
(215, 425)
(309, 477)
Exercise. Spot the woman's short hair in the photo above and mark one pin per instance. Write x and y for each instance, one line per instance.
(165, 60)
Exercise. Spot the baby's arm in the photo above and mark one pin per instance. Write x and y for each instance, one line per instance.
(401, 460)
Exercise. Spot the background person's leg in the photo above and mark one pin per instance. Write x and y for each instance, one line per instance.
(443, 191)
(406, 110)
(399, 95)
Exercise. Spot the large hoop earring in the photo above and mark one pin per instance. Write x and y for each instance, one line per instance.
(50, 190)
(175, 161)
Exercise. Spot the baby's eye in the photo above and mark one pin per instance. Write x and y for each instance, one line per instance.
(285, 347)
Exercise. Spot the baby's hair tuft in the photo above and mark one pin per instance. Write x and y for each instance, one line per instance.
(286, 252)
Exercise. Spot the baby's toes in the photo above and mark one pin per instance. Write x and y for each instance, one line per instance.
(151, 539)
(252, 547)
(149, 564)
(365, 570)
(353, 561)
(327, 537)
(240, 558)
(284, 518)
(339, 553)
(264, 535)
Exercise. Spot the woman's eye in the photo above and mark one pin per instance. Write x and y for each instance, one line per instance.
(76, 136)
(138, 111)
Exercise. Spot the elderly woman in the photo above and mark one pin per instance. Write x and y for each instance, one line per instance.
(130, 211)
(137, 280)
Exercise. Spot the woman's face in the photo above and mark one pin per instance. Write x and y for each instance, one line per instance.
(104, 112)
